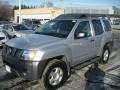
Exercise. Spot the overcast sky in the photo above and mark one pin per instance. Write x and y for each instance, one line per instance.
(69, 2)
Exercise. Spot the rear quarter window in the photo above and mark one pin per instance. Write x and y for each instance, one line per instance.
(98, 29)
(107, 25)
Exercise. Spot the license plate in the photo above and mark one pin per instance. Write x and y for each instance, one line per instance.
(7, 68)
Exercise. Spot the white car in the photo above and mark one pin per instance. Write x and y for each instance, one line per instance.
(3, 37)
(16, 30)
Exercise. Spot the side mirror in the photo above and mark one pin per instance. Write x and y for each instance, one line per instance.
(80, 35)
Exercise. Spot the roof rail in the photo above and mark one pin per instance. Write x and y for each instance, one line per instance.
(79, 16)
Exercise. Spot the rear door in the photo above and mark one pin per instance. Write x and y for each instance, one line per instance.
(99, 35)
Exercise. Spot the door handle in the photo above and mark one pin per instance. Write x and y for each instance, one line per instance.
(92, 40)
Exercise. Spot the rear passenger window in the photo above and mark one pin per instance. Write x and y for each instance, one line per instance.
(97, 27)
(107, 25)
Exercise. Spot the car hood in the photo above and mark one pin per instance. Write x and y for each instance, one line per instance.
(32, 41)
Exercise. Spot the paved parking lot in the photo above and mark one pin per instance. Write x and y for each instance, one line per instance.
(92, 77)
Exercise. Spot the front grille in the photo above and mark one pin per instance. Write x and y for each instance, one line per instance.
(13, 51)
(18, 53)
(1, 38)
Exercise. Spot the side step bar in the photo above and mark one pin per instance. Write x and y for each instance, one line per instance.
(86, 63)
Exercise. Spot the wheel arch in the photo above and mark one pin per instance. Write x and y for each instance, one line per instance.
(109, 45)
(61, 58)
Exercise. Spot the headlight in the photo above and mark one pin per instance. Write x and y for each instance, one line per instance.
(29, 55)
(20, 35)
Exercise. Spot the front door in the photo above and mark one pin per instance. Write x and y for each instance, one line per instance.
(82, 48)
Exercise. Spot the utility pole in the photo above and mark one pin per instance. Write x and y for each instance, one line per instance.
(19, 11)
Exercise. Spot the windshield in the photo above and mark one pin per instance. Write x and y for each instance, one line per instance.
(20, 27)
(57, 28)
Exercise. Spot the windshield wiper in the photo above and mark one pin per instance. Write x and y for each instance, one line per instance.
(43, 33)
(51, 34)
(39, 33)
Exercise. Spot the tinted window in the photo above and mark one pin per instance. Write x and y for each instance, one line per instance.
(97, 27)
(84, 27)
(20, 27)
(36, 22)
(107, 25)
(57, 28)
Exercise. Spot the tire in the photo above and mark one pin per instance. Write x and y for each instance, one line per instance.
(51, 68)
(105, 55)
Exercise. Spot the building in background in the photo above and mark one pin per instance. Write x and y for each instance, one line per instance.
(111, 11)
(42, 14)
(45, 14)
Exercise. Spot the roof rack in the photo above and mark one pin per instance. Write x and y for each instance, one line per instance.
(80, 16)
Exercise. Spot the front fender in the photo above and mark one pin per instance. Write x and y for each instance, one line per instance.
(53, 52)
(57, 50)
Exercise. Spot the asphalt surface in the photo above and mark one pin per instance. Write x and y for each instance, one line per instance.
(92, 77)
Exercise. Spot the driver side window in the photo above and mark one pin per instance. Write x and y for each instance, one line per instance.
(83, 27)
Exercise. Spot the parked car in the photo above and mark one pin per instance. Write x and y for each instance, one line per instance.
(5, 22)
(3, 38)
(60, 46)
(16, 30)
(32, 24)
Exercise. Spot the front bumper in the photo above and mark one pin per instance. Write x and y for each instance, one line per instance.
(25, 69)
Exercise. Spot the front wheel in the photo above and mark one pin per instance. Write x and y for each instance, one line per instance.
(54, 75)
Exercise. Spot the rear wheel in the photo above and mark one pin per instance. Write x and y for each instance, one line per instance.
(105, 55)
(54, 75)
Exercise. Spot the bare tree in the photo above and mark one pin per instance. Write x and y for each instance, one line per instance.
(42, 5)
(49, 4)
(5, 10)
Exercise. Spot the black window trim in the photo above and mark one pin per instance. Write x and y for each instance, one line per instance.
(105, 25)
(83, 20)
(93, 26)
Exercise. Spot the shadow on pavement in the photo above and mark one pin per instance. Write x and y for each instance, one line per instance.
(97, 79)
(94, 76)
(6, 77)
(1, 47)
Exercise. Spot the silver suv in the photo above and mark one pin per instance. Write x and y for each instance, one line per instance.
(62, 45)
